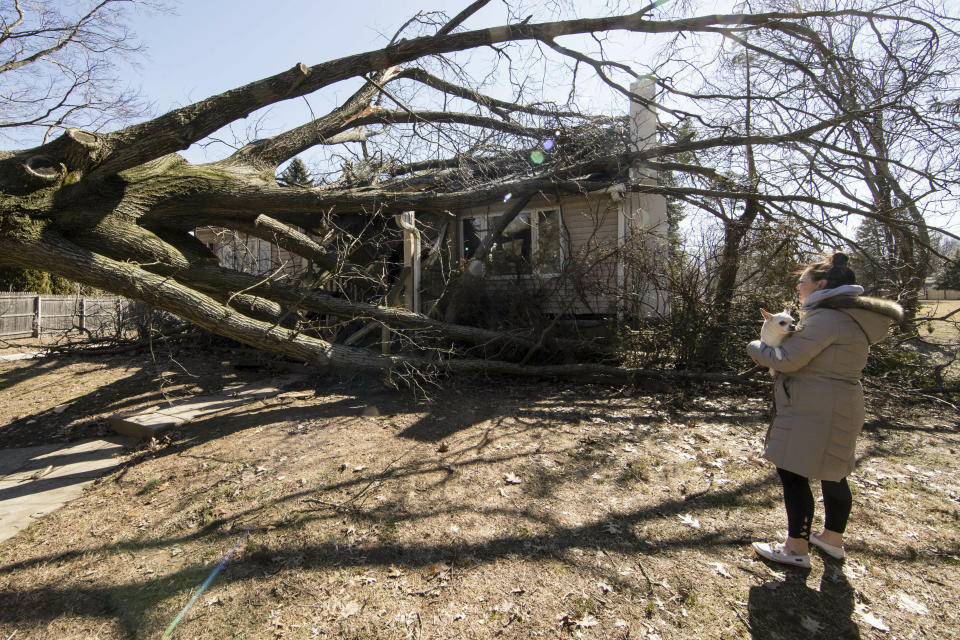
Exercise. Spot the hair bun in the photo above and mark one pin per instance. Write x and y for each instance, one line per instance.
(839, 259)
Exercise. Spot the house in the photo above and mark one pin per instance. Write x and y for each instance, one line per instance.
(593, 252)
(589, 254)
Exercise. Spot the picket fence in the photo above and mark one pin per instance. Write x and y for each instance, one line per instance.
(29, 314)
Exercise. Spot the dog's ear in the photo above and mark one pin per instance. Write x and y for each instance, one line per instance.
(766, 314)
(786, 311)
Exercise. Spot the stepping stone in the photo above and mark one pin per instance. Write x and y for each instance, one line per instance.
(37, 480)
(149, 423)
(10, 357)
(144, 425)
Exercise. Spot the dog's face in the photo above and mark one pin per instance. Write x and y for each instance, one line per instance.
(776, 327)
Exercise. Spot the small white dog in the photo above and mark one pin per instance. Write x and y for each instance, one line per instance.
(776, 327)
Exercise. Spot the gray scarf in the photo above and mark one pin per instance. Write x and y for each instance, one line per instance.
(817, 297)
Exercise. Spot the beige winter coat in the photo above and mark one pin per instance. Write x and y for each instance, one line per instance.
(819, 399)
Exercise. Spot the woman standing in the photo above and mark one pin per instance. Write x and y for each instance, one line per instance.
(819, 403)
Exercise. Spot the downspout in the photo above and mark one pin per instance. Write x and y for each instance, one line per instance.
(618, 195)
(411, 259)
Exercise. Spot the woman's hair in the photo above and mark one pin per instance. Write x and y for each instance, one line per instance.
(834, 270)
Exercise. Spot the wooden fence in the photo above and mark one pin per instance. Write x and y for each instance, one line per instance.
(29, 314)
(942, 294)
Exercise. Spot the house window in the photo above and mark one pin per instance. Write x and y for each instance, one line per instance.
(529, 245)
(245, 253)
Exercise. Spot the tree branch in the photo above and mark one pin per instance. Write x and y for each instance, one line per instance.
(179, 128)
(324, 130)
(501, 108)
(459, 19)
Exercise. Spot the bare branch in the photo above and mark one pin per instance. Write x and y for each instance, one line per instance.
(178, 129)
(328, 129)
(459, 19)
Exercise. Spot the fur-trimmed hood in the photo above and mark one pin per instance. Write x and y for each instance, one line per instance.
(874, 315)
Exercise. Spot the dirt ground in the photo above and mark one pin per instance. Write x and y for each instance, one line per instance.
(491, 509)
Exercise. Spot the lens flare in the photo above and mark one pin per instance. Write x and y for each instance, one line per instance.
(537, 157)
(548, 144)
(206, 583)
(507, 197)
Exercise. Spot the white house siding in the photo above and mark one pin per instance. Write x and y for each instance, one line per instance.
(250, 254)
(593, 260)
(646, 266)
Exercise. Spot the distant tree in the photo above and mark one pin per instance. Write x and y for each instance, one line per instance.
(942, 248)
(295, 175)
(949, 277)
(676, 209)
(874, 258)
(58, 64)
(773, 257)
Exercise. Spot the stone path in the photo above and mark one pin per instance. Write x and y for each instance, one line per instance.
(37, 480)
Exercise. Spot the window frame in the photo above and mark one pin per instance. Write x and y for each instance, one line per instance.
(534, 216)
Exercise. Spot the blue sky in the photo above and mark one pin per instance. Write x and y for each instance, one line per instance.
(211, 46)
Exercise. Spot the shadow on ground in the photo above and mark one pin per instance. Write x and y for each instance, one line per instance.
(791, 610)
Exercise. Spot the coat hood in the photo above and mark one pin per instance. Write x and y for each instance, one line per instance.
(874, 315)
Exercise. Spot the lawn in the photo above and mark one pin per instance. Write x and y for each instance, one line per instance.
(941, 330)
(492, 509)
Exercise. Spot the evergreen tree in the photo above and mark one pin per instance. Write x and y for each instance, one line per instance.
(295, 175)
(34, 281)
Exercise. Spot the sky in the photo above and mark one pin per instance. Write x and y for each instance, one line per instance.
(210, 46)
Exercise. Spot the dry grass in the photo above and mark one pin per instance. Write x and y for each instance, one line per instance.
(494, 510)
(941, 330)
(942, 333)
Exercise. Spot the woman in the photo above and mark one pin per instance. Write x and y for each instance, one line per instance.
(819, 403)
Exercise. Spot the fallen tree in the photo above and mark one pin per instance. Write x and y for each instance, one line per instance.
(120, 210)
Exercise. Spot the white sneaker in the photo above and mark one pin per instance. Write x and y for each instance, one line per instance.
(777, 553)
(829, 549)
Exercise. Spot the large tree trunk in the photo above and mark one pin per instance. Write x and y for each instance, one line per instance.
(161, 292)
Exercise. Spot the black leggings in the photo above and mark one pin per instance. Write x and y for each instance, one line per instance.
(798, 499)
